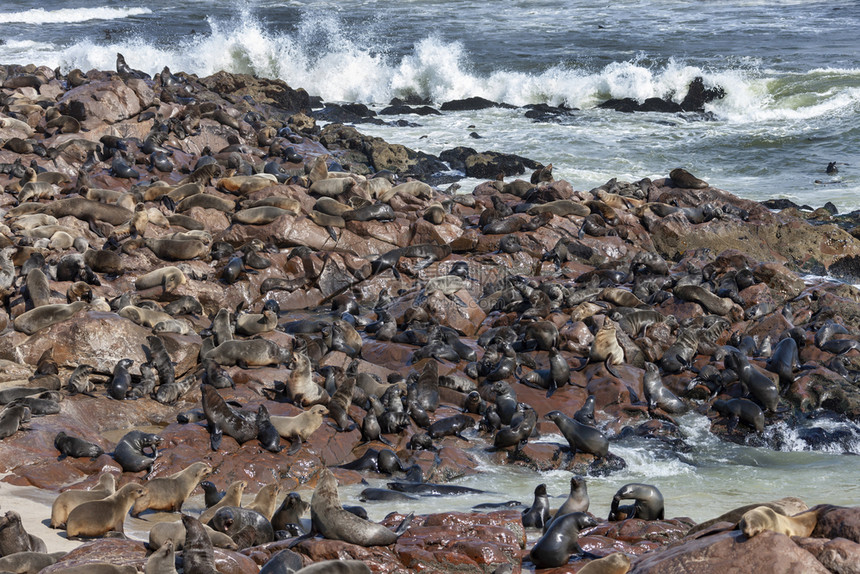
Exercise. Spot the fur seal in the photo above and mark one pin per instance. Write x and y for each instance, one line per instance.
(267, 434)
(237, 424)
(69, 499)
(14, 538)
(453, 425)
(27, 561)
(333, 522)
(538, 515)
(248, 324)
(170, 492)
(683, 178)
(174, 531)
(211, 495)
(585, 414)
(332, 567)
(561, 540)
(231, 520)
(741, 410)
(764, 518)
(303, 390)
(759, 385)
(580, 437)
(36, 319)
(577, 500)
(299, 428)
(617, 563)
(162, 561)
(338, 406)
(783, 361)
(290, 511)
(168, 278)
(98, 568)
(657, 395)
(233, 497)
(76, 447)
(121, 379)
(98, 517)
(198, 557)
(648, 505)
(11, 419)
(129, 451)
(266, 500)
(518, 432)
(250, 353)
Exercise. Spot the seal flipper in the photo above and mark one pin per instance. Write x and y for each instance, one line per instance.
(215, 436)
(552, 389)
(610, 367)
(404, 526)
(295, 445)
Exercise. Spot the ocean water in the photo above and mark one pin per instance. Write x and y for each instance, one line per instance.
(790, 70)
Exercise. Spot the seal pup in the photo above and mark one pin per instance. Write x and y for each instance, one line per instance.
(338, 406)
(538, 515)
(561, 540)
(198, 556)
(267, 434)
(98, 517)
(299, 428)
(580, 437)
(759, 385)
(76, 447)
(329, 518)
(211, 495)
(331, 567)
(585, 414)
(69, 499)
(121, 380)
(648, 505)
(170, 492)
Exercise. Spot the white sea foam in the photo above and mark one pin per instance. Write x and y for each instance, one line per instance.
(39, 16)
(342, 63)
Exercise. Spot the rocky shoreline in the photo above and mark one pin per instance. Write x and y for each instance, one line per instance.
(658, 297)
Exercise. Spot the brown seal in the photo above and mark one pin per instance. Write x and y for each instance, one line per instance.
(68, 500)
(98, 568)
(683, 178)
(303, 390)
(198, 556)
(162, 561)
(617, 563)
(46, 315)
(331, 520)
(266, 500)
(98, 517)
(168, 278)
(11, 419)
(763, 518)
(170, 492)
(233, 497)
(161, 532)
(299, 428)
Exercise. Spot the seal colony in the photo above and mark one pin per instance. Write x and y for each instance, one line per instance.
(202, 252)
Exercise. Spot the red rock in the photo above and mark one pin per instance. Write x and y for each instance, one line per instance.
(837, 555)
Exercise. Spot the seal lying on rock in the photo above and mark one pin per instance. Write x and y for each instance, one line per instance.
(330, 519)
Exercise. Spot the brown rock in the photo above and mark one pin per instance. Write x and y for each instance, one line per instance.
(839, 522)
(838, 555)
(732, 552)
